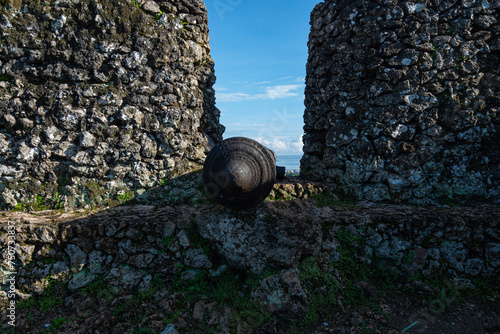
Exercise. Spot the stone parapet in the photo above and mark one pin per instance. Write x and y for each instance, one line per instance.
(402, 100)
(102, 100)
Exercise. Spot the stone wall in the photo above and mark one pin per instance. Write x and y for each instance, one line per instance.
(128, 248)
(102, 100)
(403, 100)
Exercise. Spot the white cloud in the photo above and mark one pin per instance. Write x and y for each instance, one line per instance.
(232, 97)
(281, 91)
(257, 125)
(282, 145)
(272, 93)
(259, 83)
(296, 79)
(297, 145)
(220, 88)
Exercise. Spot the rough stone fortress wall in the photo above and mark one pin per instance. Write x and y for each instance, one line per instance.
(100, 99)
(403, 100)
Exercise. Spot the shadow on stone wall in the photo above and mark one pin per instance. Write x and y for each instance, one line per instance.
(173, 257)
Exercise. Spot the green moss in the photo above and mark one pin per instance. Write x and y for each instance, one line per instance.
(157, 16)
(433, 52)
(47, 261)
(227, 290)
(38, 203)
(254, 279)
(136, 4)
(19, 206)
(63, 180)
(46, 196)
(165, 181)
(486, 288)
(30, 317)
(408, 258)
(56, 201)
(323, 290)
(168, 241)
(59, 322)
(279, 195)
(27, 304)
(99, 288)
(125, 197)
(347, 263)
(53, 296)
(52, 196)
(324, 199)
(327, 199)
(96, 189)
(198, 241)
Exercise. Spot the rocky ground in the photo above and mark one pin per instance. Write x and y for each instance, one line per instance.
(386, 312)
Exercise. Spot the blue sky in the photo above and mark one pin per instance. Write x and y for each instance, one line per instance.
(260, 53)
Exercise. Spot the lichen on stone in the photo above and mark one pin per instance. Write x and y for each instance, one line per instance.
(104, 94)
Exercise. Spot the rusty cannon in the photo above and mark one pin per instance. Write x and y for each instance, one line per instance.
(239, 173)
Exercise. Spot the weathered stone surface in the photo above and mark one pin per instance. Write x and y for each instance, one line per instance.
(493, 254)
(24, 253)
(142, 261)
(124, 278)
(78, 258)
(197, 259)
(102, 101)
(454, 253)
(151, 7)
(96, 262)
(282, 295)
(415, 84)
(263, 238)
(131, 247)
(80, 280)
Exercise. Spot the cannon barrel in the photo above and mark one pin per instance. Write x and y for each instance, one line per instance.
(239, 173)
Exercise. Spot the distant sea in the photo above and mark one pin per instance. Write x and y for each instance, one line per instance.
(291, 162)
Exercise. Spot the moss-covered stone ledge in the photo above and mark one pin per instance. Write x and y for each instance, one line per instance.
(266, 264)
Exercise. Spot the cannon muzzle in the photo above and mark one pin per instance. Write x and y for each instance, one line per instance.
(239, 173)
